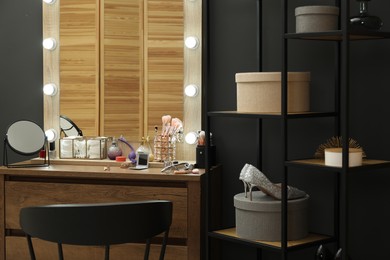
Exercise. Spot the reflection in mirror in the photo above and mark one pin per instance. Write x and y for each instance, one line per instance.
(25, 138)
(68, 127)
(123, 65)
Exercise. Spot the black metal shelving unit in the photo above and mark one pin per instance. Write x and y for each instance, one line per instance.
(341, 113)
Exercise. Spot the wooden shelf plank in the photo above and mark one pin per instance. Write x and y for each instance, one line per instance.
(270, 114)
(367, 163)
(311, 238)
(337, 35)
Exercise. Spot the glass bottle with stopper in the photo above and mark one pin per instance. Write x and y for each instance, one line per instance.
(114, 150)
(363, 20)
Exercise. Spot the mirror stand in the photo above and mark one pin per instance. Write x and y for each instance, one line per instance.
(26, 138)
(45, 159)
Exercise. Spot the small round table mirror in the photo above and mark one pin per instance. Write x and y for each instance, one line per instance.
(25, 137)
(68, 127)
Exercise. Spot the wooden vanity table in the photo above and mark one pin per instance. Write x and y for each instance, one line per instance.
(67, 182)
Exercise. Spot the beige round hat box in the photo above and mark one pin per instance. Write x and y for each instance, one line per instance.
(260, 92)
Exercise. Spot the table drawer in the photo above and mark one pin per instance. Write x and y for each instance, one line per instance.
(20, 194)
(16, 249)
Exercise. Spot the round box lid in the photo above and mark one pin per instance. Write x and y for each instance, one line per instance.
(271, 76)
(340, 150)
(263, 202)
(317, 9)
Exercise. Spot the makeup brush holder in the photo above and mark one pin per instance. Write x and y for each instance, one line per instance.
(164, 148)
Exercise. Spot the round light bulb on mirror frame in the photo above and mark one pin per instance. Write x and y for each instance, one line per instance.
(191, 42)
(191, 138)
(51, 135)
(49, 44)
(49, 1)
(50, 89)
(191, 90)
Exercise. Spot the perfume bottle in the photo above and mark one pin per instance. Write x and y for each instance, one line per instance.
(146, 148)
(114, 150)
(363, 20)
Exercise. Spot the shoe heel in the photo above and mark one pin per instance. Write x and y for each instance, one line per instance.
(245, 188)
(250, 191)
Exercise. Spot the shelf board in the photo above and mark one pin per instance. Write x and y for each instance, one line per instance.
(320, 163)
(269, 115)
(338, 34)
(311, 239)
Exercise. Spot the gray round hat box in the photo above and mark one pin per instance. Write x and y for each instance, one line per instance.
(316, 18)
(260, 218)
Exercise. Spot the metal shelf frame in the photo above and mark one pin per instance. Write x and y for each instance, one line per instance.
(341, 113)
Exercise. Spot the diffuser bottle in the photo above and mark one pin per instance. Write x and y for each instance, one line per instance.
(363, 20)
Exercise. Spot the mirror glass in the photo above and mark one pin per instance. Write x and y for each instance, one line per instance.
(69, 128)
(25, 137)
(121, 65)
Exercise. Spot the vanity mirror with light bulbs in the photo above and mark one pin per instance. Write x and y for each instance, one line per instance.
(119, 66)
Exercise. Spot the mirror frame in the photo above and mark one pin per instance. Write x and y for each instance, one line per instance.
(23, 137)
(192, 116)
(23, 134)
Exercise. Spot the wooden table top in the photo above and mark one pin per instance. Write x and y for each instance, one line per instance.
(103, 169)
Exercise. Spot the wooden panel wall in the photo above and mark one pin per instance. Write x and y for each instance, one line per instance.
(122, 68)
(79, 63)
(164, 60)
(121, 64)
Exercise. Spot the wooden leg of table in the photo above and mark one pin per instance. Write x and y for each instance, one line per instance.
(2, 219)
(194, 221)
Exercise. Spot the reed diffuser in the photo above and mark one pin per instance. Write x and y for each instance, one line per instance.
(364, 20)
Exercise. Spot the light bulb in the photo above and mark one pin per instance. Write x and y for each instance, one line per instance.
(49, 1)
(191, 42)
(191, 90)
(49, 44)
(191, 138)
(50, 89)
(51, 135)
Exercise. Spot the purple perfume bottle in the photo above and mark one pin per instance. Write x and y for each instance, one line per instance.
(114, 150)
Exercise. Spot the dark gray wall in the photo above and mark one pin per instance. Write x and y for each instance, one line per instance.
(20, 63)
(233, 49)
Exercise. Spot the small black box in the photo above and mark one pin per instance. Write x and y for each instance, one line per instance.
(201, 156)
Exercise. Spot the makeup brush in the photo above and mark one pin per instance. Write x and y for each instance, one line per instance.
(177, 125)
(202, 138)
(166, 121)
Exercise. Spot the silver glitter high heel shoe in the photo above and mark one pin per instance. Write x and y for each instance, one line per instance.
(243, 177)
(253, 177)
